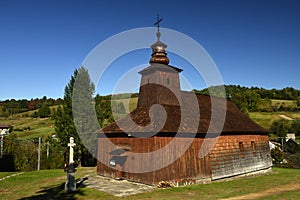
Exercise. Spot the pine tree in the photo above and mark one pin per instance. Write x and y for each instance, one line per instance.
(84, 113)
(77, 109)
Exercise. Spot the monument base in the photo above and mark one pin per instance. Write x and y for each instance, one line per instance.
(70, 185)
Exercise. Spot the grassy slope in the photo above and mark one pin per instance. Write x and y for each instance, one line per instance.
(49, 184)
(265, 119)
(129, 104)
(283, 102)
(39, 127)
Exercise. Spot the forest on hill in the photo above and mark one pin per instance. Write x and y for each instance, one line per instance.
(256, 99)
(247, 99)
(13, 106)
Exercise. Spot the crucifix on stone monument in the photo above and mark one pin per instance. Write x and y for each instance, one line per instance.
(71, 183)
(71, 145)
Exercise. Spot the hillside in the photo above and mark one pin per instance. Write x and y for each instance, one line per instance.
(262, 105)
(27, 127)
(265, 119)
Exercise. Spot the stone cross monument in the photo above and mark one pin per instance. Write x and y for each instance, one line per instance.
(71, 145)
(71, 183)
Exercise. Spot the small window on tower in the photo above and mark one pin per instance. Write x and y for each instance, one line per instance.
(168, 81)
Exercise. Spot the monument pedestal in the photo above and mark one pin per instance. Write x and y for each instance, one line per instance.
(70, 185)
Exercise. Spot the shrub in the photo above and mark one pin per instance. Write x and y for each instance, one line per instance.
(277, 155)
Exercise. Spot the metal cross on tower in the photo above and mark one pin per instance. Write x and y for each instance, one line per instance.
(157, 24)
(158, 21)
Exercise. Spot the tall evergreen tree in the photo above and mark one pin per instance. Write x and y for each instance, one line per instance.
(76, 110)
(84, 113)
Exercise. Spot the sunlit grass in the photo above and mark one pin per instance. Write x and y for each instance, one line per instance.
(49, 184)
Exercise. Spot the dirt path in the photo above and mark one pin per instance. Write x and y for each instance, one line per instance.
(268, 192)
(11, 176)
(286, 117)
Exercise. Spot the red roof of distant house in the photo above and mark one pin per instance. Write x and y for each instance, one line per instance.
(2, 126)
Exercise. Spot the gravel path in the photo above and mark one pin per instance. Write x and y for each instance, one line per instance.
(116, 187)
(285, 117)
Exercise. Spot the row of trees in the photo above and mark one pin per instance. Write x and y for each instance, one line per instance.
(22, 155)
(12, 106)
(281, 127)
(256, 99)
(287, 93)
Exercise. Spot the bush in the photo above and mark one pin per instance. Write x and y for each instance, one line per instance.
(277, 155)
(44, 111)
(18, 129)
(293, 160)
(18, 155)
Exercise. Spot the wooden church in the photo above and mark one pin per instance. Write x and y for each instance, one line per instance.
(159, 141)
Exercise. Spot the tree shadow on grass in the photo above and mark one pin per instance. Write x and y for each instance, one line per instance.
(57, 192)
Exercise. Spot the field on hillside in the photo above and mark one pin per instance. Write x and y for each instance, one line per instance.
(49, 184)
(27, 127)
(129, 104)
(283, 102)
(265, 119)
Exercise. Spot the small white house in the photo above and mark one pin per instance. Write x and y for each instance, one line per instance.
(273, 144)
(4, 129)
(290, 136)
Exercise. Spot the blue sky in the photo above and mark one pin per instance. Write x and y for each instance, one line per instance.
(253, 43)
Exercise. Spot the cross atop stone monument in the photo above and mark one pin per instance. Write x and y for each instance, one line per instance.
(71, 145)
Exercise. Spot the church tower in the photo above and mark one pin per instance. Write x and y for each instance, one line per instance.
(160, 82)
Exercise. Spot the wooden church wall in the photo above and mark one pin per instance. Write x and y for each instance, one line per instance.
(239, 154)
(188, 166)
(231, 155)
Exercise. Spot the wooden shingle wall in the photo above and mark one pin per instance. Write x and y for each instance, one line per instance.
(239, 154)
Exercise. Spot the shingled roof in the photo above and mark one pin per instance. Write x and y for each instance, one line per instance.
(181, 120)
(160, 67)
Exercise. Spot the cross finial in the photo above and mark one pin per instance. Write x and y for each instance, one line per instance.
(158, 21)
(157, 24)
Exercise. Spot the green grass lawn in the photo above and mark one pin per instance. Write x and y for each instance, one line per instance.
(49, 184)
